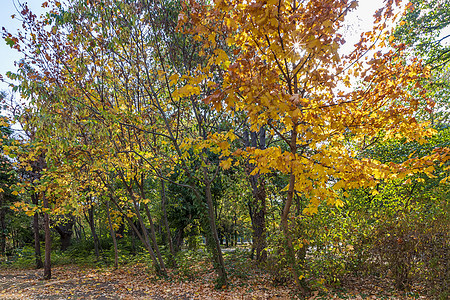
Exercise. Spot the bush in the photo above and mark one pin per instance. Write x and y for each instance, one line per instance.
(415, 249)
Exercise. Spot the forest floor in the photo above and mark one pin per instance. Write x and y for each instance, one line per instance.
(135, 282)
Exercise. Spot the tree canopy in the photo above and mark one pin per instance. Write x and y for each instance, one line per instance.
(181, 118)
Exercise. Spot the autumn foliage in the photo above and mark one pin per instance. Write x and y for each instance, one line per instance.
(125, 94)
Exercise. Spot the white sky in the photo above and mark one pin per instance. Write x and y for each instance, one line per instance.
(360, 20)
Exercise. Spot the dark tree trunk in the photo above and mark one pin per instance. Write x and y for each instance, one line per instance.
(258, 213)
(132, 234)
(48, 245)
(153, 237)
(93, 232)
(159, 265)
(76, 231)
(257, 207)
(2, 229)
(220, 236)
(81, 228)
(65, 229)
(37, 243)
(178, 239)
(219, 264)
(140, 185)
(172, 261)
(113, 236)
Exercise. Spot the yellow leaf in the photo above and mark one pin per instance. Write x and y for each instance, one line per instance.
(173, 78)
(338, 185)
(223, 145)
(430, 169)
(29, 213)
(226, 164)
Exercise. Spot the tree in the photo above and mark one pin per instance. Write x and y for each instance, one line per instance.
(286, 74)
(120, 99)
(422, 30)
(7, 178)
(421, 27)
(107, 99)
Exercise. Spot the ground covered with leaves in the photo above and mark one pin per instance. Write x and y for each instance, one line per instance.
(132, 282)
(195, 281)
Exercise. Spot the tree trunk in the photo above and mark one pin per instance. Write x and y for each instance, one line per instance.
(166, 226)
(140, 185)
(93, 232)
(146, 241)
(178, 239)
(258, 217)
(113, 236)
(65, 229)
(257, 207)
(153, 237)
(82, 231)
(48, 246)
(37, 243)
(133, 239)
(159, 268)
(219, 264)
(2, 229)
(290, 252)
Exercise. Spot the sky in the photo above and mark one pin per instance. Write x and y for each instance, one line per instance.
(8, 55)
(361, 20)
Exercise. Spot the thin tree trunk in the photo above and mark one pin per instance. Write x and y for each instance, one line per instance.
(216, 250)
(48, 246)
(82, 231)
(133, 241)
(153, 237)
(300, 281)
(2, 230)
(113, 236)
(145, 240)
(147, 245)
(93, 232)
(37, 243)
(77, 231)
(140, 185)
(159, 264)
(136, 231)
(166, 225)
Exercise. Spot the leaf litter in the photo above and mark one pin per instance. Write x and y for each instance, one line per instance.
(136, 282)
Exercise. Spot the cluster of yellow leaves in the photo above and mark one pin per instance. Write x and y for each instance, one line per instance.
(286, 73)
